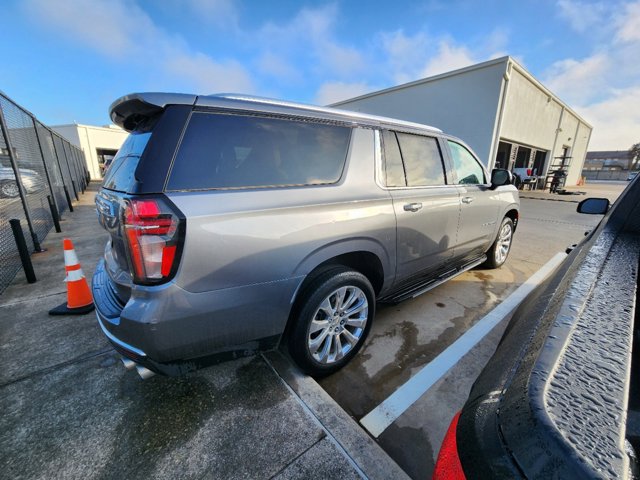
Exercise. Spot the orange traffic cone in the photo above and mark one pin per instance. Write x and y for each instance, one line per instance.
(79, 299)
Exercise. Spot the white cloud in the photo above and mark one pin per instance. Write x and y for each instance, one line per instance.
(405, 54)
(582, 16)
(222, 13)
(418, 56)
(616, 120)
(332, 92)
(310, 36)
(207, 76)
(628, 23)
(105, 26)
(604, 86)
(449, 57)
(124, 32)
(275, 65)
(579, 81)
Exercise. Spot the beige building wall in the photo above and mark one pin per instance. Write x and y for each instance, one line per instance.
(484, 104)
(531, 116)
(535, 117)
(91, 138)
(463, 103)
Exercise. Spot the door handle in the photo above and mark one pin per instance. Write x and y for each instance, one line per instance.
(467, 199)
(412, 207)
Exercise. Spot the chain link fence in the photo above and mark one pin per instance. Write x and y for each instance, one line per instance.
(40, 174)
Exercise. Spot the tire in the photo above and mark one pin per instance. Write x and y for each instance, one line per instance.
(320, 343)
(9, 189)
(499, 251)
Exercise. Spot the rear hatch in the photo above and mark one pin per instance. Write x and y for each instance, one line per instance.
(110, 204)
(145, 228)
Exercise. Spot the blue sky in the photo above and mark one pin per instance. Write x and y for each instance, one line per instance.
(67, 60)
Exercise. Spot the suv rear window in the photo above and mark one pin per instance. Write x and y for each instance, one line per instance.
(236, 151)
(120, 175)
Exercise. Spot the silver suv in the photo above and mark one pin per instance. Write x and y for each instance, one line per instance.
(239, 223)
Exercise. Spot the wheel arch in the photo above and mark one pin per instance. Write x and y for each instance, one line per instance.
(514, 215)
(366, 262)
(365, 255)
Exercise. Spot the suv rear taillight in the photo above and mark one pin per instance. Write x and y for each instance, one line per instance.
(448, 465)
(154, 233)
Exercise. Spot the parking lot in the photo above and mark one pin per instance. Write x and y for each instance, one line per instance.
(408, 336)
(70, 410)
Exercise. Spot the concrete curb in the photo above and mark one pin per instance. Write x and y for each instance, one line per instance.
(364, 453)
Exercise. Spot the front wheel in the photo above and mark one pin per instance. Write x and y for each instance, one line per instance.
(499, 251)
(333, 319)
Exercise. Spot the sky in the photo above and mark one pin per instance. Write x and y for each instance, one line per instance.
(67, 60)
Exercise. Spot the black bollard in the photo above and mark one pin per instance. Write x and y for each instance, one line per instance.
(66, 194)
(54, 214)
(23, 250)
(75, 189)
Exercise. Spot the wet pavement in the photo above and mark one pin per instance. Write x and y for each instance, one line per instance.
(71, 410)
(406, 337)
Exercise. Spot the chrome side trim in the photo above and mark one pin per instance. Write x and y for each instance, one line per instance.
(117, 341)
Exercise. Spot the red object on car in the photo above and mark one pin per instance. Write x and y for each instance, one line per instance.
(448, 465)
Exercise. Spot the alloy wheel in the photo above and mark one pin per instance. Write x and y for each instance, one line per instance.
(504, 243)
(338, 324)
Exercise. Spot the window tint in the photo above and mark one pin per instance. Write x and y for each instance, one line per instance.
(422, 160)
(234, 151)
(121, 174)
(467, 168)
(394, 170)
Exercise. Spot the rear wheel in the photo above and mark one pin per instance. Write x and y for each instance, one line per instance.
(9, 189)
(333, 319)
(499, 251)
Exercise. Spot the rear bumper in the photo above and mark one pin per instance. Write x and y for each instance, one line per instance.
(172, 331)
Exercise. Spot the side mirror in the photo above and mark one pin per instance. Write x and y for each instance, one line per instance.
(594, 206)
(500, 177)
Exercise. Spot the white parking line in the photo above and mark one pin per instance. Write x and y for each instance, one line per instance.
(378, 419)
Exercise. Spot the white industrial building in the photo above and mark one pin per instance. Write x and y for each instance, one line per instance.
(507, 116)
(98, 143)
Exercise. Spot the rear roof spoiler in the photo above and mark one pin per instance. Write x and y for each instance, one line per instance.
(130, 110)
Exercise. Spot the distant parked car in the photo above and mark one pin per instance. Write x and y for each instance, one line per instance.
(31, 181)
(236, 222)
(632, 175)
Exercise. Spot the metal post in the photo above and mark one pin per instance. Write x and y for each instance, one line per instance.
(55, 151)
(54, 214)
(66, 160)
(67, 148)
(81, 168)
(66, 194)
(44, 162)
(23, 250)
(16, 172)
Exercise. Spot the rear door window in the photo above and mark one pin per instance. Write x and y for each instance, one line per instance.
(236, 151)
(394, 170)
(422, 160)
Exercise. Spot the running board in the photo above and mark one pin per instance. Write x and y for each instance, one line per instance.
(419, 288)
